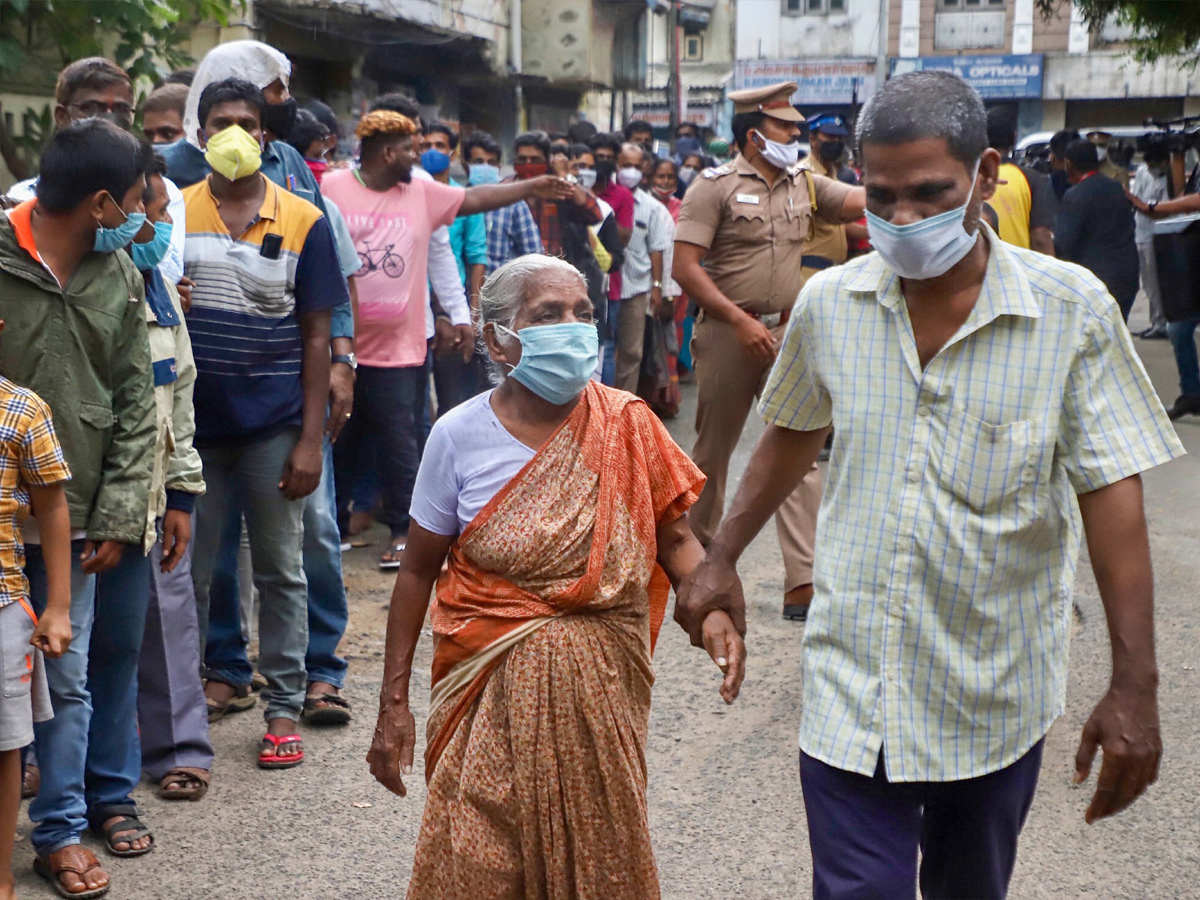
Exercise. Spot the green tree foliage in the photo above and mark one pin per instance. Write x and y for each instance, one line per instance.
(1161, 27)
(145, 37)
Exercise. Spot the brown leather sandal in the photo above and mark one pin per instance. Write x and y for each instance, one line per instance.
(74, 858)
(184, 783)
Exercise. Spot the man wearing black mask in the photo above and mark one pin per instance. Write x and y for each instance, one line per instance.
(829, 242)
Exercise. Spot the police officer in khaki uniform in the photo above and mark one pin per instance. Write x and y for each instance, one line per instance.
(738, 249)
(830, 242)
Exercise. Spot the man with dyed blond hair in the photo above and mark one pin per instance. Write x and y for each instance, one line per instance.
(391, 216)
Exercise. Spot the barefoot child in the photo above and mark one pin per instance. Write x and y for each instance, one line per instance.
(32, 470)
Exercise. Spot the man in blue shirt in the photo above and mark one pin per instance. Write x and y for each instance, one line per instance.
(511, 230)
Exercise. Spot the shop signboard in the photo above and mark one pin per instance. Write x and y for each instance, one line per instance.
(821, 82)
(995, 77)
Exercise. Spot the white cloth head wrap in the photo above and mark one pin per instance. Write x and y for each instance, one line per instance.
(252, 61)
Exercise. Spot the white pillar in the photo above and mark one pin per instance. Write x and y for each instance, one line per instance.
(1022, 30)
(910, 28)
(1078, 38)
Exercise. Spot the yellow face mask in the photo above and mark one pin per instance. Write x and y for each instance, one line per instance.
(233, 153)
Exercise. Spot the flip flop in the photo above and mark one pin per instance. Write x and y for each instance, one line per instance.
(396, 548)
(242, 700)
(326, 709)
(269, 758)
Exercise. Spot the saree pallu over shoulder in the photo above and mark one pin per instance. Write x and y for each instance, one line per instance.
(542, 675)
(573, 532)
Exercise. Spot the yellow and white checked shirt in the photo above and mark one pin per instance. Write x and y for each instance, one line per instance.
(949, 531)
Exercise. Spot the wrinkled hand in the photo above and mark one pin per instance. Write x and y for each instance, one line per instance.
(391, 753)
(184, 287)
(302, 471)
(755, 338)
(551, 187)
(727, 650)
(341, 399)
(1124, 726)
(53, 633)
(97, 558)
(176, 535)
(713, 585)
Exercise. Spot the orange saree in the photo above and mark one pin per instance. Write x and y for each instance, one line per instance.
(544, 624)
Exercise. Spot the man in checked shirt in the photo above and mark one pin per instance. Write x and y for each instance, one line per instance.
(978, 389)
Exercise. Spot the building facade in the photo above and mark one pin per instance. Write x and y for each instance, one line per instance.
(1058, 72)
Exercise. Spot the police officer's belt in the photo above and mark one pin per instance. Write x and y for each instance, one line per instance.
(815, 262)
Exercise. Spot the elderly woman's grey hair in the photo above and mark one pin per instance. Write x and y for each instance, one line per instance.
(505, 292)
(922, 105)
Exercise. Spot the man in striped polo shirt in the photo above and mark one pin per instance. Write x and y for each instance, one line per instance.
(267, 275)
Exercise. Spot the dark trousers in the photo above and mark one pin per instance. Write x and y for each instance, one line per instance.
(386, 407)
(457, 381)
(865, 832)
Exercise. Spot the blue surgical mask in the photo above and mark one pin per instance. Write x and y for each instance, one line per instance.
(435, 162)
(926, 248)
(556, 360)
(482, 173)
(147, 256)
(109, 240)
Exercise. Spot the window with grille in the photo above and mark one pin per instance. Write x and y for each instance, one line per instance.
(814, 7)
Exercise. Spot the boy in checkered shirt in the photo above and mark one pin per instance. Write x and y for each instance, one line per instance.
(32, 472)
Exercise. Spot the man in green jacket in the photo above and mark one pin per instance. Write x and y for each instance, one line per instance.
(76, 334)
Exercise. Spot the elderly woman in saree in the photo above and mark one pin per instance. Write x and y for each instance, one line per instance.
(559, 507)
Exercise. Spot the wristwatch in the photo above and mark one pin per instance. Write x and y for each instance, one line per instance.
(657, 284)
(348, 358)
(1151, 206)
(572, 179)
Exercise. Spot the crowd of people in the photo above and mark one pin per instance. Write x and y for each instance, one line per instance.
(229, 349)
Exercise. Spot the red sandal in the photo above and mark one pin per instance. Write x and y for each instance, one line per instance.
(269, 758)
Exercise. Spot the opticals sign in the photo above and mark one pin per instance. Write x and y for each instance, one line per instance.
(995, 77)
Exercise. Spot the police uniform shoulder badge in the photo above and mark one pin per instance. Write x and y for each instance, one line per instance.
(719, 170)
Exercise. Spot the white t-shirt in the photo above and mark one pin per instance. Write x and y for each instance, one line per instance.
(468, 458)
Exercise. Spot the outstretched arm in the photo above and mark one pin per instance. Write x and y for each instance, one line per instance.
(484, 197)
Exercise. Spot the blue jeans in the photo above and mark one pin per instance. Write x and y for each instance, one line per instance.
(225, 654)
(248, 473)
(59, 808)
(865, 832)
(1183, 340)
(114, 751)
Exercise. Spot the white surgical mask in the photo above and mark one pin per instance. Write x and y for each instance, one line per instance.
(782, 156)
(924, 249)
(587, 178)
(686, 174)
(630, 177)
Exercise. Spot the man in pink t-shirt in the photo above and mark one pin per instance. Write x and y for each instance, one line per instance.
(391, 217)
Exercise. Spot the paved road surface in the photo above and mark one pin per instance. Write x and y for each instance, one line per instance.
(724, 792)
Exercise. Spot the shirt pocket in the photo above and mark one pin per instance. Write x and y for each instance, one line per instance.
(799, 227)
(985, 464)
(98, 415)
